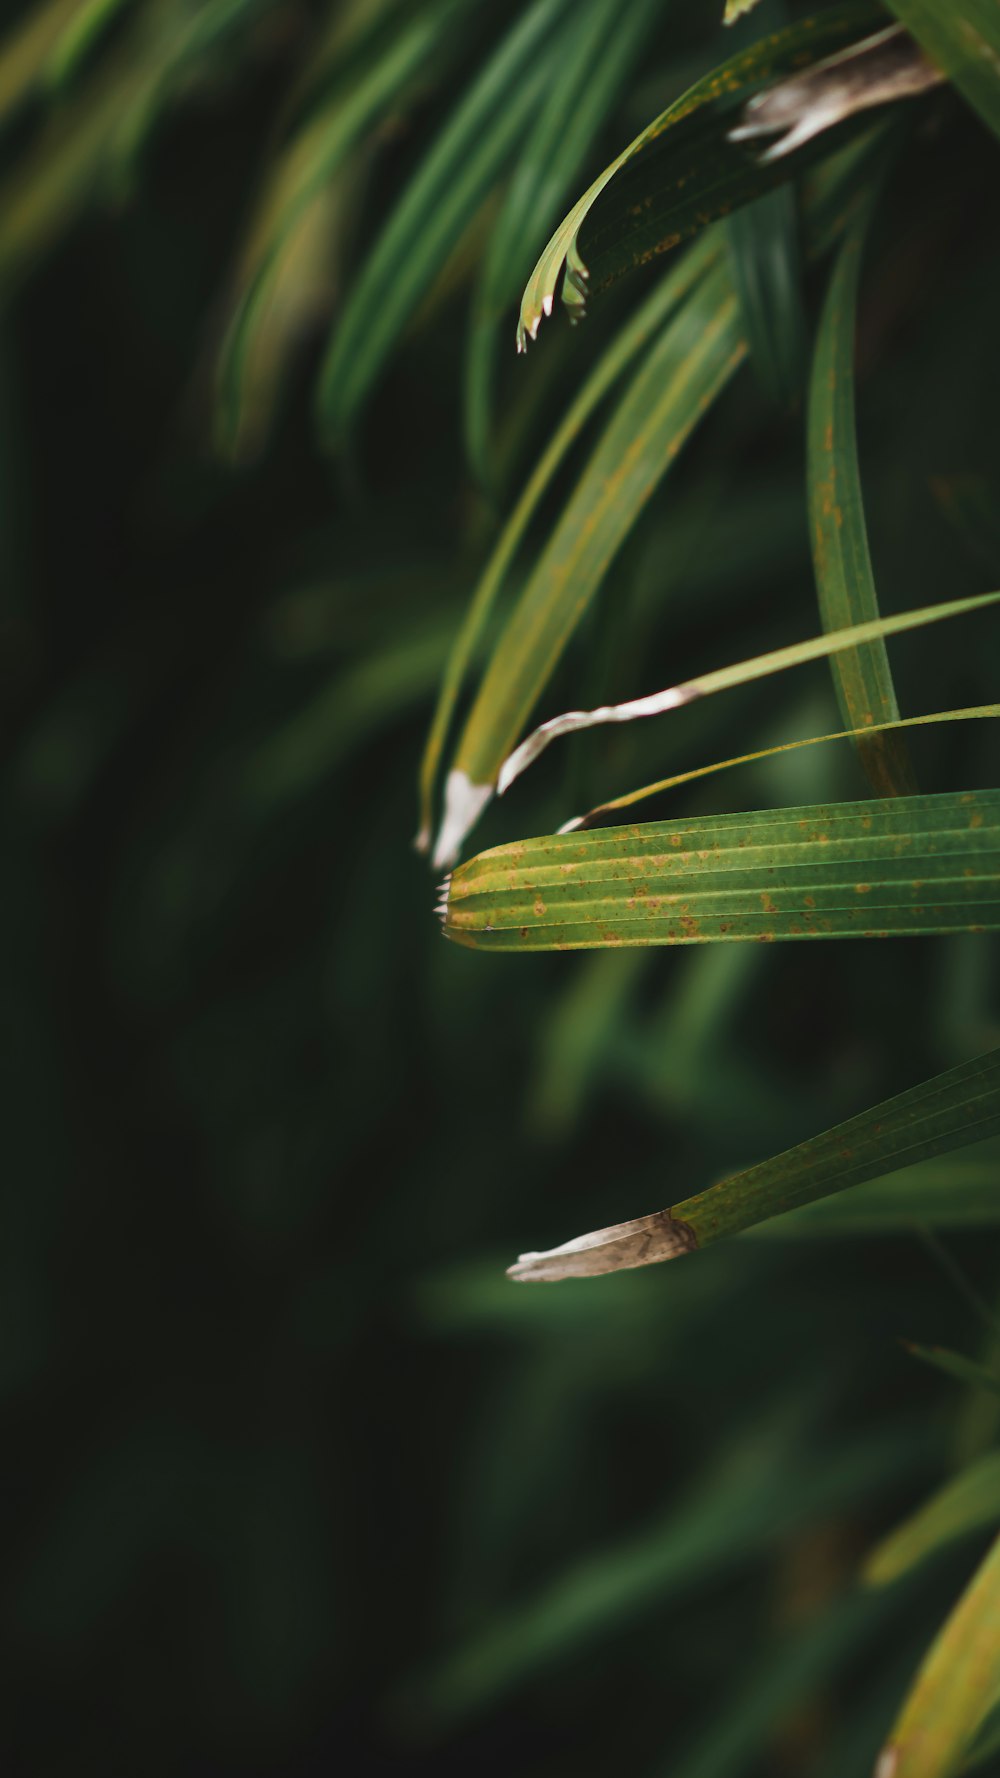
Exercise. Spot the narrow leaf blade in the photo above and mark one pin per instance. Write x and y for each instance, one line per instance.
(956, 1686)
(845, 582)
(969, 1502)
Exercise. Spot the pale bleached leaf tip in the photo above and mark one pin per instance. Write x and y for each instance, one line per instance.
(634, 710)
(464, 802)
(645, 1241)
(441, 905)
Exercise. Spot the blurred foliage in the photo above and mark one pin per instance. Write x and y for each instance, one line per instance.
(297, 1480)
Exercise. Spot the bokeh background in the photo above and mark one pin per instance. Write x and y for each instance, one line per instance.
(295, 1481)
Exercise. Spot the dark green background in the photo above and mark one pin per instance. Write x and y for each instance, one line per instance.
(278, 1436)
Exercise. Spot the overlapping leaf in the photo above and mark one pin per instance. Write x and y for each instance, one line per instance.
(963, 37)
(956, 1687)
(365, 78)
(765, 262)
(845, 582)
(762, 666)
(436, 205)
(682, 170)
(627, 343)
(600, 47)
(697, 353)
(615, 804)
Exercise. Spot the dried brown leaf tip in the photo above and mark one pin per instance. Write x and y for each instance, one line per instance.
(643, 1242)
(881, 69)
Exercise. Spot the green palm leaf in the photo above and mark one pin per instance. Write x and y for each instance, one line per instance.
(959, 1193)
(963, 37)
(764, 260)
(724, 679)
(682, 170)
(436, 206)
(361, 83)
(975, 712)
(599, 48)
(844, 579)
(925, 864)
(956, 1687)
(624, 347)
(686, 368)
(947, 1112)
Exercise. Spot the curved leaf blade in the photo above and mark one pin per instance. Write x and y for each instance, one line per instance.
(973, 713)
(969, 1502)
(926, 864)
(690, 364)
(668, 194)
(436, 205)
(764, 262)
(947, 1112)
(627, 343)
(956, 1687)
(363, 81)
(600, 47)
(845, 581)
(761, 666)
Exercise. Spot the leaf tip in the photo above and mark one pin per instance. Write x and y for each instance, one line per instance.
(441, 905)
(464, 802)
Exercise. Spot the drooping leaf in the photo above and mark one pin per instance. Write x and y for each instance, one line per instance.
(957, 1685)
(686, 368)
(974, 713)
(626, 344)
(949, 1111)
(90, 146)
(963, 37)
(969, 1502)
(682, 170)
(164, 58)
(777, 660)
(845, 582)
(601, 47)
(362, 82)
(437, 204)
